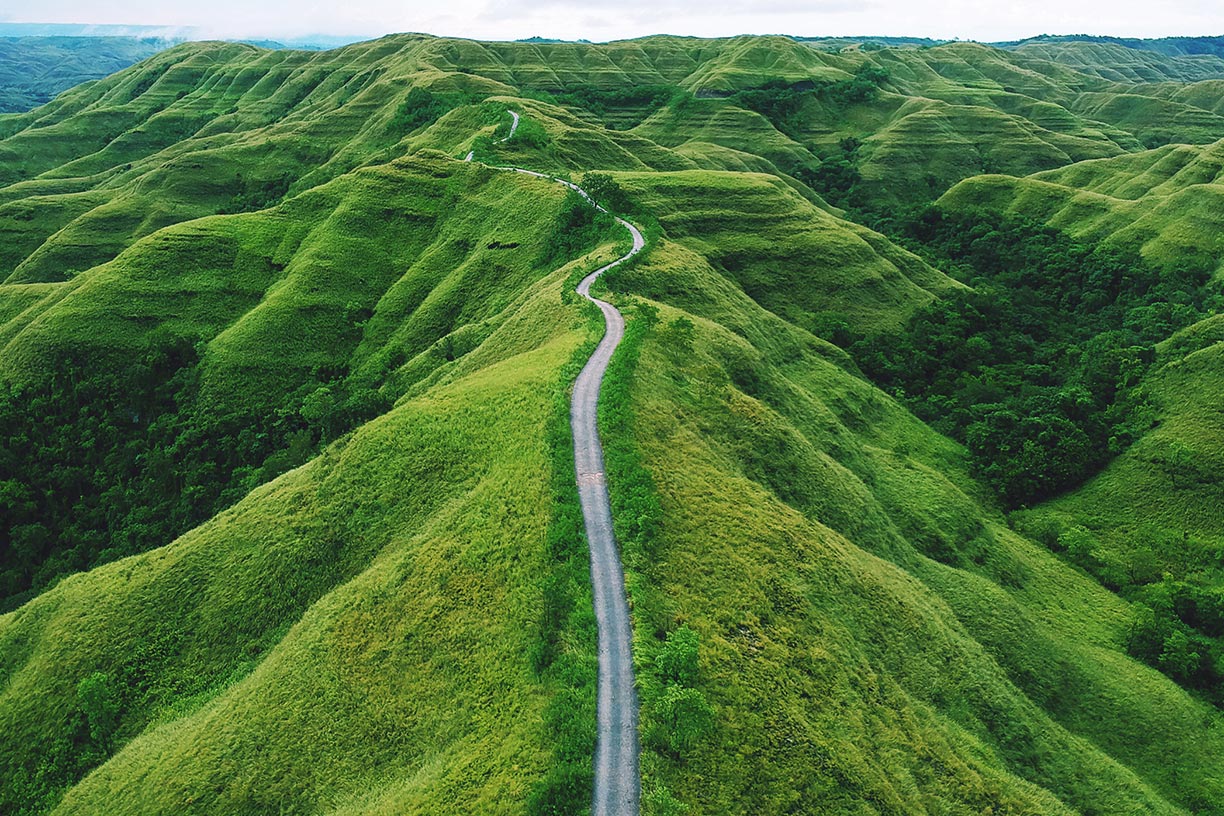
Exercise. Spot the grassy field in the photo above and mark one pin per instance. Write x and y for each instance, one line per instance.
(868, 623)
(285, 494)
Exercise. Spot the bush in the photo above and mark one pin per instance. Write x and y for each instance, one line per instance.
(677, 660)
(420, 108)
(681, 718)
(255, 195)
(604, 191)
(576, 231)
(641, 100)
(658, 801)
(100, 704)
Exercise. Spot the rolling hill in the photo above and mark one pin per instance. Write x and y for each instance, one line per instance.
(34, 69)
(287, 503)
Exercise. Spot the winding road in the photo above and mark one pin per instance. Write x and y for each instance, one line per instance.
(617, 789)
(617, 784)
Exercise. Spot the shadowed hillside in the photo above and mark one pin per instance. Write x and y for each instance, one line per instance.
(34, 69)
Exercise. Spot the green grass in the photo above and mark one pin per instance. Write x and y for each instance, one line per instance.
(850, 602)
(1163, 203)
(388, 612)
(414, 510)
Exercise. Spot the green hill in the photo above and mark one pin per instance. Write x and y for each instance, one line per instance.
(1123, 63)
(1163, 203)
(34, 69)
(287, 510)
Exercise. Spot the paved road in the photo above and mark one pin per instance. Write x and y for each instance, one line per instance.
(513, 126)
(617, 782)
(617, 778)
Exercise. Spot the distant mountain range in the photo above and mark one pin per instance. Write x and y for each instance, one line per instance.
(41, 60)
(167, 34)
(33, 70)
(1168, 46)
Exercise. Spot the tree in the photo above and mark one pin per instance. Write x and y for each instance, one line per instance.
(1179, 658)
(603, 190)
(100, 705)
(319, 409)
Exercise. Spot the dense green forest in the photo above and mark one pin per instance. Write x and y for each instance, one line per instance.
(1038, 366)
(105, 461)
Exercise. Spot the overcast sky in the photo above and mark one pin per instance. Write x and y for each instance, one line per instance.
(570, 19)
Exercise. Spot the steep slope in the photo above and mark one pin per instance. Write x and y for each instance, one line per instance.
(868, 623)
(299, 558)
(322, 636)
(1164, 202)
(1148, 525)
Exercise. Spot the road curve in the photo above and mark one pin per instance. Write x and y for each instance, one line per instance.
(617, 787)
(513, 126)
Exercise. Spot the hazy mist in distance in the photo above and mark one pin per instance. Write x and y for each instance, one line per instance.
(570, 19)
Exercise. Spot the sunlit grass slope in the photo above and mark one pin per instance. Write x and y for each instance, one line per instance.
(793, 258)
(1164, 202)
(357, 634)
(873, 634)
(328, 639)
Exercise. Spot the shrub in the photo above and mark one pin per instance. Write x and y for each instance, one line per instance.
(99, 703)
(682, 717)
(677, 660)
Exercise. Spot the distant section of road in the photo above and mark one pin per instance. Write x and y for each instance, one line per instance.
(513, 126)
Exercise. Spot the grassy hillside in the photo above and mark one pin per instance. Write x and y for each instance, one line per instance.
(288, 518)
(845, 507)
(33, 70)
(480, 372)
(1111, 60)
(1147, 526)
(1162, 202)
(1167, 46)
